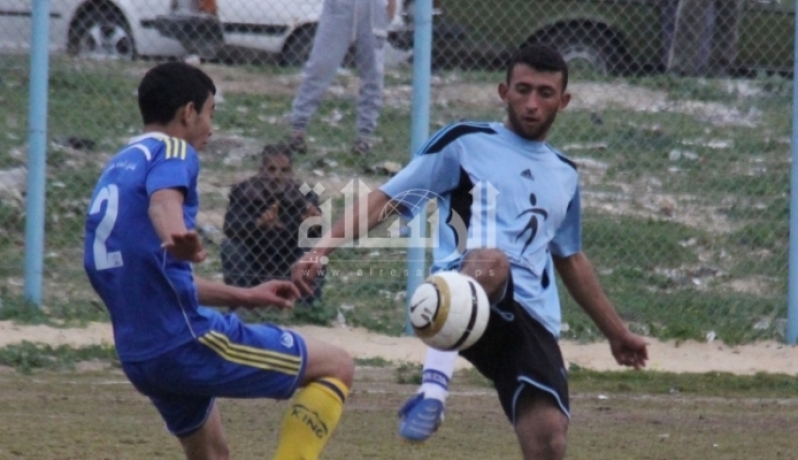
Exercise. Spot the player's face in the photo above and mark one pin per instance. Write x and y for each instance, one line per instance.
(200, 124)
(533, 99)
(277, 168)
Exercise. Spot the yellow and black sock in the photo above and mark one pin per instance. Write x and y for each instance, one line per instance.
(311, 419)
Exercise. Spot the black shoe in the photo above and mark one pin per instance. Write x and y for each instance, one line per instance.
(361, 147)
(297, 144)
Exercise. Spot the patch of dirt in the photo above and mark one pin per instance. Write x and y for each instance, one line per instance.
(234, 79)
(768, 357)
(756, 285)
(596, 97)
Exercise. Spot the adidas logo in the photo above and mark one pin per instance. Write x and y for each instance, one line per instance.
(527, 174)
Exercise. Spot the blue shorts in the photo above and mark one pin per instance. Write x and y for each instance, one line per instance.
(241, 361)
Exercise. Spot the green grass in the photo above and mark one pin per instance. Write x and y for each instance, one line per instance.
(15, 307)
(630, 382)
(714, 384)
(373, 362)
(700, 89)
(647, 260)
(71, 309)
(611, 420)
(27, 357)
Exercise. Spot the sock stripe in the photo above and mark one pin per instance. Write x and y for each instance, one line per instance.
(435, 377)
(336, 386)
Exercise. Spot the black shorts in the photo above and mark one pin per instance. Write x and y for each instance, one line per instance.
(517, 353)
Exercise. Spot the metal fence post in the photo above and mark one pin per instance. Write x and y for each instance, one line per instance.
(37, 151)
(422, 65)
(792, 277)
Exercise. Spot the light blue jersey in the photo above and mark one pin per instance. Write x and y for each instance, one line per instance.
(495, 189)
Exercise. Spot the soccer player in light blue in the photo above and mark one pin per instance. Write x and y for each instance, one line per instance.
(140, 245)
(510, 217)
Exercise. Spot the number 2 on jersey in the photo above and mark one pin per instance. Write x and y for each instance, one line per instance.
(103, 259)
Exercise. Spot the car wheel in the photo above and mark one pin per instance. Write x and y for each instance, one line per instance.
(402, 37)
(298, 47)
(409, 13)
(586, 51)
(101, 33)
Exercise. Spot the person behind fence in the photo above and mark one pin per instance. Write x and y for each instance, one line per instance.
(343, 23)
(537, 232)
(705, 37)
(140, 247)
(262, 224)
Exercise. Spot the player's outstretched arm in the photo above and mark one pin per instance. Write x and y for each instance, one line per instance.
(280, 294)
(346, 229)
(580, 278)
(166, 214)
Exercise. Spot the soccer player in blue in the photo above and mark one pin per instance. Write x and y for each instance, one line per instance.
(139, 249)
(510, 212)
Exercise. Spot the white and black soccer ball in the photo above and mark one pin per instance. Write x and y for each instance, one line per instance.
(449, 311)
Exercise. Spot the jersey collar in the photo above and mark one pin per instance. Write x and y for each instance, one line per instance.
(152, 134)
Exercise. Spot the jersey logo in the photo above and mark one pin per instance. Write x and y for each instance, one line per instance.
(175, 148)
(527, 174)
(532, 225)
(287, 340)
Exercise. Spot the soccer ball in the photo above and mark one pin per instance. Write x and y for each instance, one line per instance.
(449, 311)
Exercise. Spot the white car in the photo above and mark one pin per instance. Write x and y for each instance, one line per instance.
(97, 28)
(284, 28)
(127, 29)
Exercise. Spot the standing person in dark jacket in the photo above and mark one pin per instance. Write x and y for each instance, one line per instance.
(262, 223)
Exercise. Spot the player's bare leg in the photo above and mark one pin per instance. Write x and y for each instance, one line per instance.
(209, 442)
(423, 413)
(326, 360)
(540, 425)
(490, 268)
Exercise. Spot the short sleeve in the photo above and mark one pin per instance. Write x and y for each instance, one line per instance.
(174, 165)
(568, 239)
(426, 176)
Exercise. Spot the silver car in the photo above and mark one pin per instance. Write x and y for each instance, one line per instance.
(282, 28)
(102, 29)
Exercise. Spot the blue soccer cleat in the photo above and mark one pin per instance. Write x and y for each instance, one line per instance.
(420, 417)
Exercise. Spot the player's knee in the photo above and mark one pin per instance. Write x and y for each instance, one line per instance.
(222, 453)
(554, 445)
(549, 444)
(342, 366)
(327, 361)
(486, 263)
(489, 267)
(215, 451)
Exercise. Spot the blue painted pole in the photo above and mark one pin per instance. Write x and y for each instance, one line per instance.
(792, 277)
(422, 67)
(37, 151)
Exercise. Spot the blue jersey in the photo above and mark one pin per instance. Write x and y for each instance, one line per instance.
(150, 296)
(495, 189)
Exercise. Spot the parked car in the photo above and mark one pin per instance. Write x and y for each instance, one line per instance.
(216, 29)
(617, 36)
(96, 28)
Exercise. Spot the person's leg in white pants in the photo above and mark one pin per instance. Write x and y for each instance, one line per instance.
(333, 37)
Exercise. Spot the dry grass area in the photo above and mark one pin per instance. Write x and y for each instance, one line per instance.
(97, 415)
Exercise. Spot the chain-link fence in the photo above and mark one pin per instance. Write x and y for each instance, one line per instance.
(679, 124)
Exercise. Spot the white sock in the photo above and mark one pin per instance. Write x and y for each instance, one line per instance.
(438, 370)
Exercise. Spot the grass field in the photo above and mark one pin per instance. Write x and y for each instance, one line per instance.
(95, 414)
(686, 200)
(685, 188)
